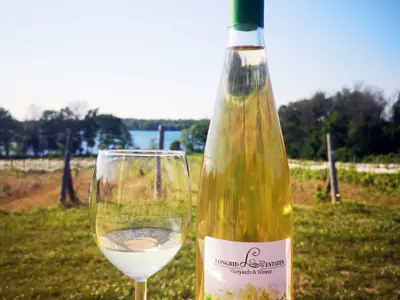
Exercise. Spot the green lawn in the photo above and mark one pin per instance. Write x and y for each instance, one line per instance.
(343, 252)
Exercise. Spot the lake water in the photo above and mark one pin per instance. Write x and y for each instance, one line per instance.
(142, 138)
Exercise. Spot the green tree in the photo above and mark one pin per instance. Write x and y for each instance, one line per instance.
(29, 139)
(175, 145)
(396, 111)
(70, 117)
(194, 138)
(186, 138)
(303, 126)
(394, 133)
(8, 131)
(89, 127)
(355, 118)
(113, 133)
(50, 131)
(199, 134)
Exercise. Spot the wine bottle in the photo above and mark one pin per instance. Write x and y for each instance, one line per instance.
(244, 208)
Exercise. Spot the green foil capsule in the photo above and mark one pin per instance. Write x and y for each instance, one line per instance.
(246, 15)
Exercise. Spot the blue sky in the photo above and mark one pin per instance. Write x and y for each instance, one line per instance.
(162, 59)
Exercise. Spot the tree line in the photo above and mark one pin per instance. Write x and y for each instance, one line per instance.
(145, 124)
(361, 121)
(363, 125)
(44, 134)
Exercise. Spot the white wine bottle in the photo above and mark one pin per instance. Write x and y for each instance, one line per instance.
(244, 208)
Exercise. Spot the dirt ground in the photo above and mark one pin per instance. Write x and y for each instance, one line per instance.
(38, 189)
(26, 192)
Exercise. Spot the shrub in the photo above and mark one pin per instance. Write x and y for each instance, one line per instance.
(175, 145)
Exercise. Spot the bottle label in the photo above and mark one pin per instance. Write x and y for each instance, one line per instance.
(237, 270)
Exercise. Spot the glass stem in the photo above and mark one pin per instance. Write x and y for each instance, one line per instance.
(141, 290)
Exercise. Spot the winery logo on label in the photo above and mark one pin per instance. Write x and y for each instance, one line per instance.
(253, 263)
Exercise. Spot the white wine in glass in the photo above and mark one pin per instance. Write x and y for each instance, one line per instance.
(140, 209)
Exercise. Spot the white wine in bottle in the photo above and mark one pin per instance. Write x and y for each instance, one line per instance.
(244, 208)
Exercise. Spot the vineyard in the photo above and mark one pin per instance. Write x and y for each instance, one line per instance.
(54, 164)
(342, 251)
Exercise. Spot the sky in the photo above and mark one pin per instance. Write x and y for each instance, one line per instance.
(163, 58)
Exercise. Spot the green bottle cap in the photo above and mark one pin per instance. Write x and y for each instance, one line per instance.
(246, 15)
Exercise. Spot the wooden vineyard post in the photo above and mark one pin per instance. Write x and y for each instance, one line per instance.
(335, 196)
(158, 161)
(66, 181)
(161, 137)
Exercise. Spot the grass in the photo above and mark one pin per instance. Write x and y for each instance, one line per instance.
(341, 252)
(346, 251)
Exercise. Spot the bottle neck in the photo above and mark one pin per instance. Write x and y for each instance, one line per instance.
(245, 39)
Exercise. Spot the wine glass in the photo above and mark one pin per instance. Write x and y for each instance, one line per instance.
(140, 210)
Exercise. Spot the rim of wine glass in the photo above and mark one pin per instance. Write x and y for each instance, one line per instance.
(144, 152)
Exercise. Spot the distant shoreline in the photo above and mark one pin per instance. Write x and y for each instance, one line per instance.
(166, 129)
(152, 124)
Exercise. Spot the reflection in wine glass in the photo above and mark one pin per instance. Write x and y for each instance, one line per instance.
(140, 209)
